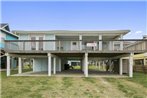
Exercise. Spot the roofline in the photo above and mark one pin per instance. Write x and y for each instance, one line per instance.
(6, 24)
(9, 32)
(78, 31)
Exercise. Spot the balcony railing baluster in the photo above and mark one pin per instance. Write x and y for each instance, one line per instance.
(65, 45)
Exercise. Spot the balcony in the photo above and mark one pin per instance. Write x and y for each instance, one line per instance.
(139, 45)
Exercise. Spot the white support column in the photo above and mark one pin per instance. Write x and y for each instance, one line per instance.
(99, 65)
(59, 64)
(83, 60)
(121, 43)
(131, 65)
(112, 47)
(120, 66)
(33, 65)
(19, 65)
(54, 68)
(8, 64)
(49, 64)
(59, 45)
(80, 42)
(100, 42)
(86, 65)
(144, 61)
(103, 66)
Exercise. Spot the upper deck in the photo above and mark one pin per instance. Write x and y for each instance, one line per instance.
(76, 46)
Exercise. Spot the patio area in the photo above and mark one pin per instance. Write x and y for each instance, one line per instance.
(73, 73)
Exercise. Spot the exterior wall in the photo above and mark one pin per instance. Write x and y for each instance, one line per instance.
(137, 46)
(3, 37)
(10, 37)
(46, 45)
(41, 64)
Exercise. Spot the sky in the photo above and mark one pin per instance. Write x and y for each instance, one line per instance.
(76, 15)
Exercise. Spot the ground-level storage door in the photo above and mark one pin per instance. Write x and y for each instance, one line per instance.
(125, 66)
(41, 64)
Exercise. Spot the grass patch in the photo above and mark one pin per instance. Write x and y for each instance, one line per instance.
(67, 87)
(88, 79)
(67, 82)
(129, 92)
(140, 78)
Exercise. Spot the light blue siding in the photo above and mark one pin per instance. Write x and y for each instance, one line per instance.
(40, 64)
(10, 37)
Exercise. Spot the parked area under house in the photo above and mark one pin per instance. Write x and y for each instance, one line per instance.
(90, 64)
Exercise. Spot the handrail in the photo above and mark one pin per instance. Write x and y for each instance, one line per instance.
(73, 40)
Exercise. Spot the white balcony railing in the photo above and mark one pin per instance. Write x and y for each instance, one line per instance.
(76, 45)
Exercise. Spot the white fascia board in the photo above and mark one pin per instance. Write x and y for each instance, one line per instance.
(9, 32)
(68, 32)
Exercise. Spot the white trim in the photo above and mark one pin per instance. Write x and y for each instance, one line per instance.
(9, 32)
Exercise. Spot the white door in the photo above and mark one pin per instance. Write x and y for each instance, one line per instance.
(40, 43)
(74, 45)
(37, 45)
(33, 43)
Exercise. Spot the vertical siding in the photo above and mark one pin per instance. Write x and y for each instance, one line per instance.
(41, 64)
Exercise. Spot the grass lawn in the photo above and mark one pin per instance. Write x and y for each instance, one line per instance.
(61, 87)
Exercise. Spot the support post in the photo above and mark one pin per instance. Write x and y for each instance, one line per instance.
(80, 42)
(54, 68)
(100, 42)
(83, 67)
(59, 64)
(131, 65)
(120, 66)
(144, 61)
(121, 43)
(8, 64)
(86, 65)
(19, 65)
(33, 65)
(49, 64)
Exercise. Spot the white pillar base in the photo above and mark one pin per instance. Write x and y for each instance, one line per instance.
(19, 65)
(120, 66)
(49, 64)
(54, 68)
(8, 64)
(131, 65)
(86, 65)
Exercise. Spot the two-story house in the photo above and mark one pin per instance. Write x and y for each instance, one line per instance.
(51, 50)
